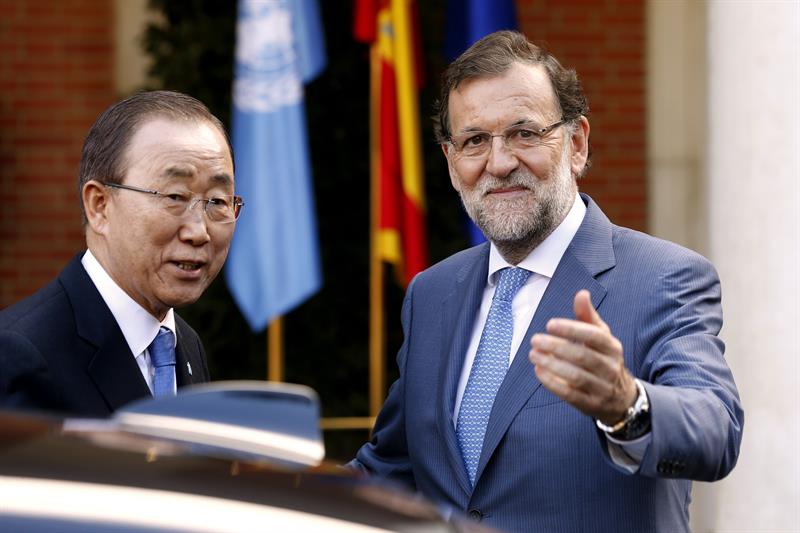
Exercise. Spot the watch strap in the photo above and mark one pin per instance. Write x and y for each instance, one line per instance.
(636, 421)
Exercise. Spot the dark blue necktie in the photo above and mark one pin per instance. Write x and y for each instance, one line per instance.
(162, 355)
(488, 369)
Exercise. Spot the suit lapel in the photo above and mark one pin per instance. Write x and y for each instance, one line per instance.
(458, 312)
(112, 366)
(589, 253)
(115, 373)
(187, 368)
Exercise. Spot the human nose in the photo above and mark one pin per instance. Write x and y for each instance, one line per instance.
(194, 226)
(500, 160)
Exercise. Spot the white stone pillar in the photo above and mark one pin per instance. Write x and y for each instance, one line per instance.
(753, 167)
(676, 122)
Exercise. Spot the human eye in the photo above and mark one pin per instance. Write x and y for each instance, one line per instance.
(175, 202)
(474, 142)
(525, 132)
(477, 140)
(222, 202)
(524, 135)
(220, 208)
(175, 197)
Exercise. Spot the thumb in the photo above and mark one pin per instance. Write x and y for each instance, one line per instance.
(585, 311)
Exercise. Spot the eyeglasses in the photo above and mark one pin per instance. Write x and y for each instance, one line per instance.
(223, 209)
(517, 138)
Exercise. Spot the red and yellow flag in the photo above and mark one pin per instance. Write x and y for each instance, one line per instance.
(398, 192)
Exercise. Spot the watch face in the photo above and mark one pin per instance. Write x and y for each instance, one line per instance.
(637, 426)
(637, 419)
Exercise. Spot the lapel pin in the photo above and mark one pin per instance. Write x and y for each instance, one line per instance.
(189, 367)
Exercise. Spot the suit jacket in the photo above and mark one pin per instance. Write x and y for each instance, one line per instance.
(62, 350)
(544, 465)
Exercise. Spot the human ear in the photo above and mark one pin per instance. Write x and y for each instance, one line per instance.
(580, 146)
(96, 205)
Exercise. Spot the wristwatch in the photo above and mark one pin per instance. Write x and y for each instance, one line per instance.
(637, 419)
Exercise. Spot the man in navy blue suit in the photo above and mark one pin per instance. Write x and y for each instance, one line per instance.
(157, 196)
(567, 375)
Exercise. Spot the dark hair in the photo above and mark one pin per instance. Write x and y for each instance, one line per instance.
(103, 152)
(494, 55)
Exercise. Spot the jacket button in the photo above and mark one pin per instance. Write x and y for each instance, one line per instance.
(475, 514)
(668, 467)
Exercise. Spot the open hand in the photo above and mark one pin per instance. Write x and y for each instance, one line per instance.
(581, 362)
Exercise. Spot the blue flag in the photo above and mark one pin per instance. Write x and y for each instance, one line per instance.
(468, 21)
(273, 264)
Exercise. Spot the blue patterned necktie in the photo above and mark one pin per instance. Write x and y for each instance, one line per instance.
(488, 369)
(162, 355)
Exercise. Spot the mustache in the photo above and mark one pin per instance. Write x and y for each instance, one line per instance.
(515, 179)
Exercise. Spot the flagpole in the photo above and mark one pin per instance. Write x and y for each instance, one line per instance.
(275, 350)
(376, 337)
(376, 321)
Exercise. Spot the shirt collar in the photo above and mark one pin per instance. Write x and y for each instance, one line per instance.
(544, 258)
(138, 326)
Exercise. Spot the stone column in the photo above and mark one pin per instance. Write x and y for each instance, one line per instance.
(753, 170)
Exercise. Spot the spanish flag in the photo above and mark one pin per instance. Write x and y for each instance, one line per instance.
(397, 193)
(398, 197)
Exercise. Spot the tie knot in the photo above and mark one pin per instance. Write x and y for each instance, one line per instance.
(511, 280)
(161, 349)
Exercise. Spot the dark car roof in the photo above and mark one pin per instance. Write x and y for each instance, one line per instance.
(105, 475)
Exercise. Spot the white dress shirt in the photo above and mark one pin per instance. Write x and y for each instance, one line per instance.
(138, 326)
(542, 262)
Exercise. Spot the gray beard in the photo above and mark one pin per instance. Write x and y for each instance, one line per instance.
(518, 226)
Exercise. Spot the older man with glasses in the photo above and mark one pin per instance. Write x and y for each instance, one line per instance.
(156, 187)
(567, 375)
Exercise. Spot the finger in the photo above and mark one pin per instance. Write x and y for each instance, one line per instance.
(585, 311)
(597, 338)
(575, 353)
(606, 405)
(575, 376)
(579, 399)
(579, 355)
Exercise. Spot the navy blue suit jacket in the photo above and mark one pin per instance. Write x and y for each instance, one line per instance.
(544, 465)
(61, 350)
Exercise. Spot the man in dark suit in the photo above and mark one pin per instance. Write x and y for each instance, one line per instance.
(567, 375)
(157, 196)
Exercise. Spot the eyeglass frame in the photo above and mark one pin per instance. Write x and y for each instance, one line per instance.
(540, 134)
(238, 202)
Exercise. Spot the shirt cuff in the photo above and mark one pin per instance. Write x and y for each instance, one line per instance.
(627, 454)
